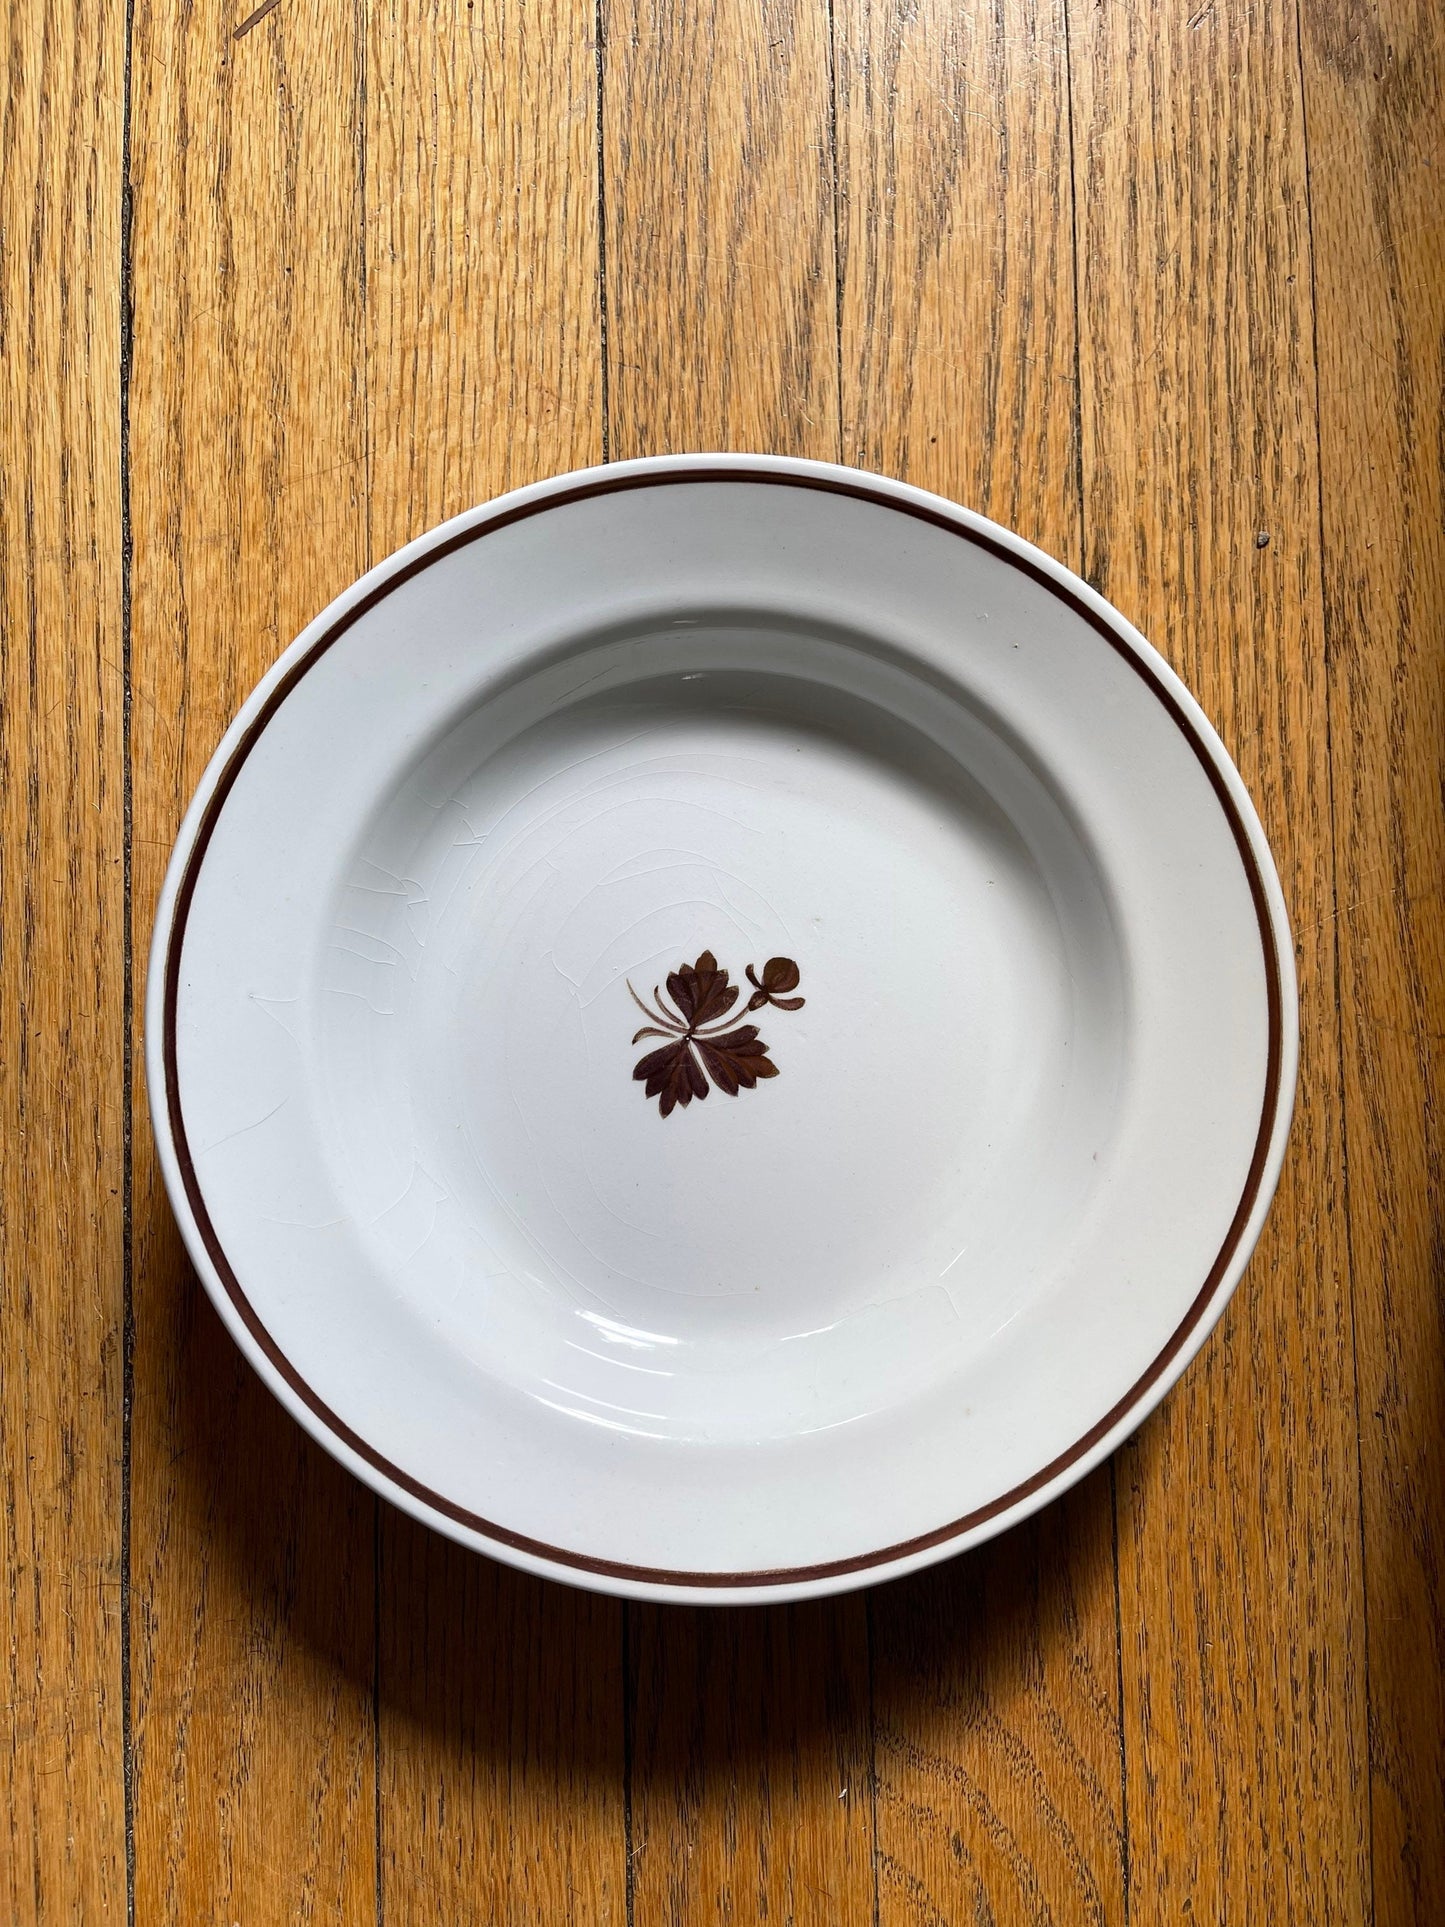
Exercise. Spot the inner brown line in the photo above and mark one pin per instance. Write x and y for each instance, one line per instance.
(586, 1562)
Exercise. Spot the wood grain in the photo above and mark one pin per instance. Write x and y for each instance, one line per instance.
(996, 1688)
(253, 1554)
(501, 1755)
(997, 1728)
(501, 1716)
(751, 1764)
(482, 298)
(1375, 93)
(62, 967)
(1238, 1505)
(720, 238)
(956, 242)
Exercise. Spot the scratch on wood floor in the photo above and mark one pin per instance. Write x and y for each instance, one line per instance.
(255, 19)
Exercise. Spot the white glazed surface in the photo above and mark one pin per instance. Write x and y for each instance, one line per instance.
(785, 1340)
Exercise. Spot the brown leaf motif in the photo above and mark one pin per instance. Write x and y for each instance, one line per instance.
(694, 1024)
(701, 991)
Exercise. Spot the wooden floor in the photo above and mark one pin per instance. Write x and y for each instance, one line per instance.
(1160, 285)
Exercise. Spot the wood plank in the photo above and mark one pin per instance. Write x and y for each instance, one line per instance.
(1375, 94)
(1238, 1504)
(62, 966)
(501, 1744)
(751, 1795)
(749, 1728)
(253, 1554)
(997, 1728)
(482, 303)
(717, 152)
(957, 253)
(996, 1688)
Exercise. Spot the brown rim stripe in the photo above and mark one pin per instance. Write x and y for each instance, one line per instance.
(585, 1562)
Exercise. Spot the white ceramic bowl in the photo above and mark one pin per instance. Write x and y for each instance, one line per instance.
(987, 952)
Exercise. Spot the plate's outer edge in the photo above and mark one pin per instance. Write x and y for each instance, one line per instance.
(888, 1563)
